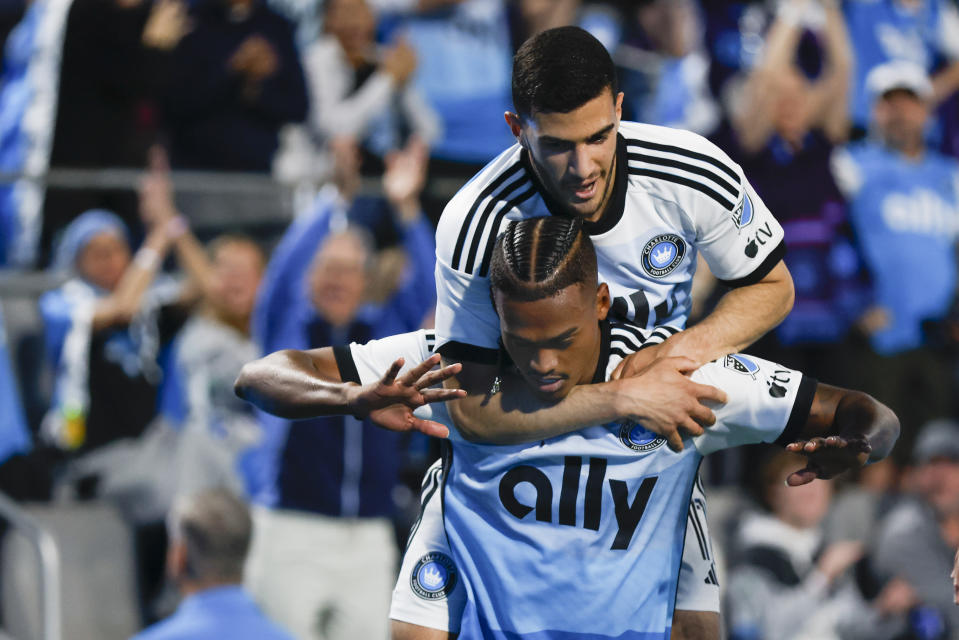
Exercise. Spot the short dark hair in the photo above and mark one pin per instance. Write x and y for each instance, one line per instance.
(537, 258)
(559, 70)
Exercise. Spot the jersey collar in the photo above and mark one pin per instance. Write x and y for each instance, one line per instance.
(617, 201)
(604, 338)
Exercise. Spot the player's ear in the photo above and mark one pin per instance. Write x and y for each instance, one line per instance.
(514, 123)
(619, 106)
(602, 301)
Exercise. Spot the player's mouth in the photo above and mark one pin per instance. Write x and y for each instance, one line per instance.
(548, 385)
(585, 190)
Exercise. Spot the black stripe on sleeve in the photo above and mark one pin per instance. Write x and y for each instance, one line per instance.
(462, 352)
(800, 413)
(689, 168)
(346, 365)
(774, 257)
(483, 223)
(685, 152)
(490, 188)
(686, 182)
(494, 230)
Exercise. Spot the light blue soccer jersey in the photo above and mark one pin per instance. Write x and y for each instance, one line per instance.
(581, 536)
(906, 218)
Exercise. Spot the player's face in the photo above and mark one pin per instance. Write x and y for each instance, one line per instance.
(555, 342)
(574, 153)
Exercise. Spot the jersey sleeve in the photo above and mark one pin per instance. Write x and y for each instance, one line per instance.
(366, 363)
(741, 244)
(467, 327)
(766, 402)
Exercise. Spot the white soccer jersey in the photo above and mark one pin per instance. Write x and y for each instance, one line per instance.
(563, 555)
(675, 194)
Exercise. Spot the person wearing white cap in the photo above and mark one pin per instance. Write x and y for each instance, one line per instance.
(903, 202)
(923, 32)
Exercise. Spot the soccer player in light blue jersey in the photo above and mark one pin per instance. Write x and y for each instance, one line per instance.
(581, 535)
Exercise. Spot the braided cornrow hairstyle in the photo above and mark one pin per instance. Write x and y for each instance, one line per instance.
(537, 258)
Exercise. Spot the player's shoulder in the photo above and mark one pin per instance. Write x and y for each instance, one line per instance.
(626, 339)
(681, 166)
(492, 179)
(470, 223)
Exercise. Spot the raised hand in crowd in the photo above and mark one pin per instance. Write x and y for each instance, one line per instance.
(399, 61)
(168, 22)
(256, 60)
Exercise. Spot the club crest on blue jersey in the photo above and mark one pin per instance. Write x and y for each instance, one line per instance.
(637, 438)
(741, 364)
(662, 254)
(434, 576)
(743, 214)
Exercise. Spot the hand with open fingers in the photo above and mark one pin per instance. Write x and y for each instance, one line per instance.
(828, 457)
(667, 402)
(390, 402)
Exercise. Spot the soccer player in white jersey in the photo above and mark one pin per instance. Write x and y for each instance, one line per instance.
(652, 199)
(533, 569)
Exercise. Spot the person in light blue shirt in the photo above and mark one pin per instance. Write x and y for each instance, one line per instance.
(904, 206)
(924, 32)
(209, 536)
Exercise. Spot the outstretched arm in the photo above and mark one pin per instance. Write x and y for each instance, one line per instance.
(661, 397)
(845, 430)
(305, 384)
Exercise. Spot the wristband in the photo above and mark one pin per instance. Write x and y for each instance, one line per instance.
(147, 258)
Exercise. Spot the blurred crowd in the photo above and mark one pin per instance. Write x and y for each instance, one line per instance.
(843, 113)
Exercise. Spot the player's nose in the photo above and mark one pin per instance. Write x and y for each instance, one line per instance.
(580, 162)
(543, 362)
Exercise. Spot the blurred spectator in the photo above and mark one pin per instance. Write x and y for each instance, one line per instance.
(904, 206)
(235, 81)
(360, 92)
(464, 61)
(781, 586)
(216, 427)
(923, 32)
(209, 538)
(664, 69)
(782, 127)
(104, 328)
(914, 543)
(113, 63)
(323, 558)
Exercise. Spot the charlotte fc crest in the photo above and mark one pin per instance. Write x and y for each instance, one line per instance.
(434, 576)
(662, 254)
(637, 438)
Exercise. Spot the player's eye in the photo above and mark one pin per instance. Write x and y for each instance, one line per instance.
(599, 139)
